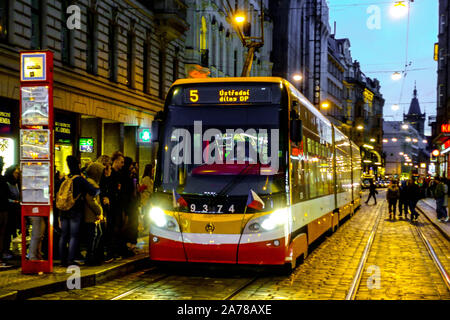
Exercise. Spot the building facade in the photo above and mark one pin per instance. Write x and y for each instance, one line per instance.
(113, 64)
(441, 136)
(213, 47)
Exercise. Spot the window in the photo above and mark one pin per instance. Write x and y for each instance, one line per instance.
(112, 52)
(175, 65)
(36, 19)
(4, 20)
(130, 59)
(65, 34)
(91, 42)
(235, 63)
(146, 67)
(161, 71)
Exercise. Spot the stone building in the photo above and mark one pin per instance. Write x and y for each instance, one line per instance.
(441, 137)
(111, 73)
(213, 47)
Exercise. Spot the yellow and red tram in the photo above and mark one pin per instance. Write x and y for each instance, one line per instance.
(219, 139)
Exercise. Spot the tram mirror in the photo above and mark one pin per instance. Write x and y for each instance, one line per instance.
(155, 130)
(296, 130)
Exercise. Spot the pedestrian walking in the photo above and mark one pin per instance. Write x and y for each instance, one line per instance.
(70, 202)
(106, 162)
(441, 197)
(93, 214)
(372, 192)
(129, 201)
(392, 196)
(413, 196)
(3, 213)
(403, 200)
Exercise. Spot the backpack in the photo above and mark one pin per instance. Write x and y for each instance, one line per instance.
(64, 197)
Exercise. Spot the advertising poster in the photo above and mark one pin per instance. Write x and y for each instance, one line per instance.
(34, 144)
(35, 106)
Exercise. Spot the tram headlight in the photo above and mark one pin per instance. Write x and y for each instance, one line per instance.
(273, 220)
(162, 220)
(268, 222)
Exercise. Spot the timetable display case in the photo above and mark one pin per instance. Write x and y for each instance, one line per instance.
(35, 107)
(34, 144)
(35, 182)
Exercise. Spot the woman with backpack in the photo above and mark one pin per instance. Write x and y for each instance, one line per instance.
(70, 202)
(392, 196)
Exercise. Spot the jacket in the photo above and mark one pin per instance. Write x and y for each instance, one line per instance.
(92, 207)
(146, 189)
(413, 192)
(393, 193)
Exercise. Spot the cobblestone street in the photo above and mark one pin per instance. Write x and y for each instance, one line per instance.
(398, 268)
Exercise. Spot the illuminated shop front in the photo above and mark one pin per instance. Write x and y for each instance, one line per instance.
(8, 132)
(64, 139)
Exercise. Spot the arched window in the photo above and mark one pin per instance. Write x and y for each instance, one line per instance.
(203, 35)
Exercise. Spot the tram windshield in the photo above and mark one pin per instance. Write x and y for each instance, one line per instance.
(222, 150)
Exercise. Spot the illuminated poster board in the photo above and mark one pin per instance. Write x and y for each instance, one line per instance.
(35, 182)
(227, 94)
(86, 145)
(33, 67)
(34, 144)
(35, 106)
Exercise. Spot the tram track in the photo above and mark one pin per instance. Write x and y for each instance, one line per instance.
(355, 285)
(351, 294)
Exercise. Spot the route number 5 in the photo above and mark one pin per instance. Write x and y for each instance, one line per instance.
(193, 95)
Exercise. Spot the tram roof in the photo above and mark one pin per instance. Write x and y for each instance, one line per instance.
(228, 79)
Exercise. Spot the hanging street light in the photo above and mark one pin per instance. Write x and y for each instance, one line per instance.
(395, 107)
(396, 76)
(399, 9)
(297, 77)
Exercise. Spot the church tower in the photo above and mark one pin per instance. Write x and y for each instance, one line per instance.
(414, 117)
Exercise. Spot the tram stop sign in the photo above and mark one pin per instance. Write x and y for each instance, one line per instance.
(144, 135)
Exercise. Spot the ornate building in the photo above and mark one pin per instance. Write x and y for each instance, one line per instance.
(112, 70)
(212, 46)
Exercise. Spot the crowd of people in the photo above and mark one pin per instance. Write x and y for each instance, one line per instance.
(97, 209)
(406, 194)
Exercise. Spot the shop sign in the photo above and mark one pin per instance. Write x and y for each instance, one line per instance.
(86, 145)
(144, 135)
(445, 128)
(5, 122)
(63, 131)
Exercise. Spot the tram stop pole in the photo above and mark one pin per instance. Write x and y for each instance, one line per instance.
(36, 159)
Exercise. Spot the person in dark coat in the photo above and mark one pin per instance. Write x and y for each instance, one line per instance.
(130, 203)
(392, 196)
(12, 175)
(372, 192)
(3, 212)
(115, 218)
(71, 219)
(413, 194)
(403, 200)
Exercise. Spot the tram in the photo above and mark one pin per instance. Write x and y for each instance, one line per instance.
(248, 172)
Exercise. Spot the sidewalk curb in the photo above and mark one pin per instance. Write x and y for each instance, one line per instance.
(87, 280)
(441, 230)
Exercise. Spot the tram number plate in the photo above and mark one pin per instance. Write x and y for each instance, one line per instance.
(218, 208)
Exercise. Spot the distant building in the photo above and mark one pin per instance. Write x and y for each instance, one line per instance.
(213, 47)
(414, 117)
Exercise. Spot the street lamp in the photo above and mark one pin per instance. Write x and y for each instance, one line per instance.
(395, 107)
(297, 77)
(399, 9)
(360, 127)
(239, 18)
(396, 76)
(405, 126)
(325, 105)
(372, 140)
(394, 139)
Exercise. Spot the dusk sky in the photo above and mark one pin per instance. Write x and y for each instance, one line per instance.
(383, 51)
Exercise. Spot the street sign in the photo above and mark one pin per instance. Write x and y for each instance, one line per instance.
(144, 135)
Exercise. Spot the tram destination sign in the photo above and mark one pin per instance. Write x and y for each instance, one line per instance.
(237, 94)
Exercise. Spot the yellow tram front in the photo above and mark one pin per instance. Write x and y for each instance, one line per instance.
(221, 184)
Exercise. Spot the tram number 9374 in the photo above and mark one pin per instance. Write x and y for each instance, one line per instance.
(218, 208)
